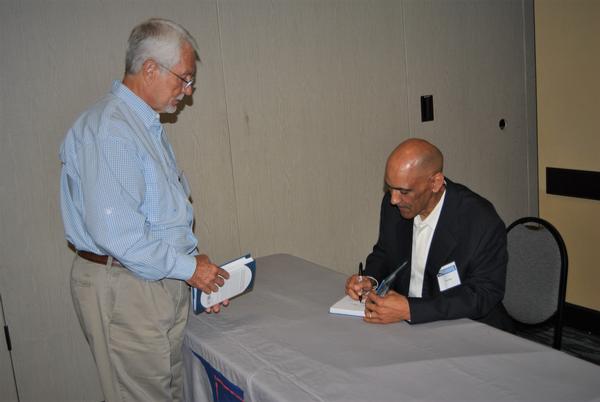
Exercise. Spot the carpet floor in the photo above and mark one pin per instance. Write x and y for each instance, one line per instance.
(581, 344)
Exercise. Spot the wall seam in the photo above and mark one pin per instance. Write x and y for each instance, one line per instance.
(227, 117)
(406, 74)
(527, 6)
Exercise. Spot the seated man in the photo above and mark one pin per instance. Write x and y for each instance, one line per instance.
(452, 239)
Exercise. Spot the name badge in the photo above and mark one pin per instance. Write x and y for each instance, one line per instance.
(448, 276)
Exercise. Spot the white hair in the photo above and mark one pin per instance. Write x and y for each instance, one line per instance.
(158, 39)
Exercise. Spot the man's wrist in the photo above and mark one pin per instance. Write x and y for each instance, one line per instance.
(185, 266)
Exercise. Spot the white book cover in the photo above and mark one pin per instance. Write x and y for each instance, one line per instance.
(241, 278)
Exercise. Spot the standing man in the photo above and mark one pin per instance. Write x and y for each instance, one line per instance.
(127, 215)
(453, 240)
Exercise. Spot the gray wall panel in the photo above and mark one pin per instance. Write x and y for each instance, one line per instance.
(470, 55)
(59, 57)
(316, 100)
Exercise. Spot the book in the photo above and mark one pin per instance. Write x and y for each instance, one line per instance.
(348, 306)
(241, 279)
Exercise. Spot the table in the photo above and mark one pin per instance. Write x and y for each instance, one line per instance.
(279, 343)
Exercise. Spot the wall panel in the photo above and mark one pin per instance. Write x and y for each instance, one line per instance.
(58, 58)
(316, 101)
(568, 91)
(470, 55)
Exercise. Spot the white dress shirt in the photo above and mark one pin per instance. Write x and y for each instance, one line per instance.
(423, 230)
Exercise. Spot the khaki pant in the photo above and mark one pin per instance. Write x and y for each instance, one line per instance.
(134, 328)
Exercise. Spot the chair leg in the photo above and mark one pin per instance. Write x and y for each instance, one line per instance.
(558, 327)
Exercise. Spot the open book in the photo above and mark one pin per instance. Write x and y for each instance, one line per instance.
(347, 306)
(241, 279)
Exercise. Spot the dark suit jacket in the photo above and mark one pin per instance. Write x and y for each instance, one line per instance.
(471, 234)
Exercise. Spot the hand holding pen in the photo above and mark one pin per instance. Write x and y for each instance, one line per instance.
(358, 286)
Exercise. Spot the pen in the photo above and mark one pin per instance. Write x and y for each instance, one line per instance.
(360, 278)
(386, 284)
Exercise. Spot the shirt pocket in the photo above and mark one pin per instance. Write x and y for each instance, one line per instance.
(160, 203)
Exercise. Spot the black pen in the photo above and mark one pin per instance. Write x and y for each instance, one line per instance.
(360, 278)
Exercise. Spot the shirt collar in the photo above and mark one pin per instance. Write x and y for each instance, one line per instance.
(148, 116)
(432, 219)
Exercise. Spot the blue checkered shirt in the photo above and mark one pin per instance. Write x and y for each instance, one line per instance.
(121, 192)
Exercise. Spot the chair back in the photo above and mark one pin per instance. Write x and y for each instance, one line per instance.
(536, 275)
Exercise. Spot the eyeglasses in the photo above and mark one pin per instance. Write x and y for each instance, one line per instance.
(188, 84)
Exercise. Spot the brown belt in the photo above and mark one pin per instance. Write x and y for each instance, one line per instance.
(99, 259)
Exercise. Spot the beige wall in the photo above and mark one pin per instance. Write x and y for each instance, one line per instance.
(568, 91)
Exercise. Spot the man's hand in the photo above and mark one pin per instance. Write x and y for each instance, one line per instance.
(356, 288)
(393, 307)
(207, 276)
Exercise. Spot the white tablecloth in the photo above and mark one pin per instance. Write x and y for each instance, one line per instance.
(279, 343)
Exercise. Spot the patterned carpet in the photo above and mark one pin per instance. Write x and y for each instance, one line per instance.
(581, 344)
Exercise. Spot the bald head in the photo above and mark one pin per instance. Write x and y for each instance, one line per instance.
(414, 177)
(418, 156)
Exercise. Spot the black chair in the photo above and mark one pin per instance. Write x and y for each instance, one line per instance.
(536, 277)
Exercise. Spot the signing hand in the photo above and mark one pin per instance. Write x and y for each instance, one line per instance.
(356, 288)
(393, 307)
